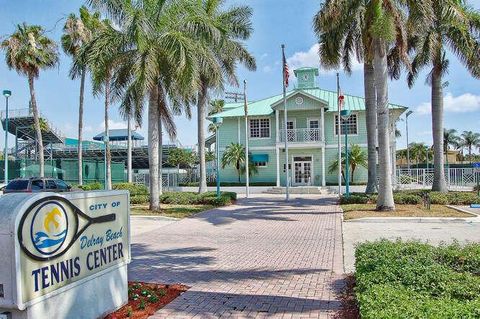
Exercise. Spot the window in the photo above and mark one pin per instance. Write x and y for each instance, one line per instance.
(314, 124)
(351, 125)
(51, 184)
(61, 184)
(260, 128)
(37, 184)
(260, 164)
(17, 185)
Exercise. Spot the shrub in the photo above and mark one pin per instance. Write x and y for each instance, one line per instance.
(189, 198)
(354, 199)
(139, 199)
(91, 186)
(416, 280)
(134, 189)
(179, 198)
(407, 199)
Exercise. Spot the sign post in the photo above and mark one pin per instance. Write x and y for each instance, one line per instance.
(64, 256)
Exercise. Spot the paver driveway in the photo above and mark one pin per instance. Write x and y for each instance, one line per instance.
(257, 259)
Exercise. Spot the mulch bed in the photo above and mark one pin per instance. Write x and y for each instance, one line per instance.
(349, 308)
(144, 299)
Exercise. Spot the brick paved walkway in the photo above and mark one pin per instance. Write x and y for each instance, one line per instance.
(262, 258)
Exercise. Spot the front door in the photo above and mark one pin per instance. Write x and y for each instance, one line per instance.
(303, 171)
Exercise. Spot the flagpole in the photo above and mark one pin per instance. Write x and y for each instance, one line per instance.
(339, 138)
(247, 177)
(287, 173)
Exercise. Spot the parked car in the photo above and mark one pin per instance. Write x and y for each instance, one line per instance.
(36, 184)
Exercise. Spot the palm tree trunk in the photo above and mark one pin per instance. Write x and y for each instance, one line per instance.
(160, 156)
(439, 183)
(202, 101)
(36, 120)
(129, 150)
(80, 128)
(108, 175)
(371, 118)
(385, 191)
(153, 142)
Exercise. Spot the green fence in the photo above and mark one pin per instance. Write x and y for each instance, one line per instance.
(66, 169)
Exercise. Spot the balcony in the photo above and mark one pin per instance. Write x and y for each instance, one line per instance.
(302, 135)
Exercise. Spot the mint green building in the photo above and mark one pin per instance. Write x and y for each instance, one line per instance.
(311, 131)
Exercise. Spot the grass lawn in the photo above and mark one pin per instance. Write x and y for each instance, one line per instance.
(354, 211)
(170, 210)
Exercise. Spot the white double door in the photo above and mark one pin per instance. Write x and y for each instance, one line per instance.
(302, 174)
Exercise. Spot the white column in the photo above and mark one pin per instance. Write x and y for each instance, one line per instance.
(323, 125)
(277, 128)
(323, 167)
(277, 155)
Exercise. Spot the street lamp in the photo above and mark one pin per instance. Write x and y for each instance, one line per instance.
(6, 94)
(217, 121)
(408, 148)
(345, 114)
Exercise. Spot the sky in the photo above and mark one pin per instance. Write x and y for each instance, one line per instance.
(275, 22)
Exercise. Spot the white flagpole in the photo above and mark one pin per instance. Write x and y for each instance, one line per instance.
(339, 139)
(247, 177)
(287, 173)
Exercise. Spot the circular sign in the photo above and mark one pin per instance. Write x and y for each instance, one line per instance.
(299, 100)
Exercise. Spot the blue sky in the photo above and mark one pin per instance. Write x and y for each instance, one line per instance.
(275, 22)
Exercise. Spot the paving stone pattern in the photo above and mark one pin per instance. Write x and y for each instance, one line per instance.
(261, 258)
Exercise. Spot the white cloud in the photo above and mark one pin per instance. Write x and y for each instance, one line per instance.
(112, 125)
(263, 56)
(311, 58)
(267, 69)
(464, 103)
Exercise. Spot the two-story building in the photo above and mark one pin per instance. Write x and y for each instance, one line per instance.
(311, 131)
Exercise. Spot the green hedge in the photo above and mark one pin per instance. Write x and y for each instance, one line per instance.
(134, 189)
(91, 186)
(416, 280)
(190, 198)
(416, 197)
(139, 199)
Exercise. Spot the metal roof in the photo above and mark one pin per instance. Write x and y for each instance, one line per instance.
(119, 135)
(264, 106)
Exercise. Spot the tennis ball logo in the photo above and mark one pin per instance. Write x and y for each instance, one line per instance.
(49, 228)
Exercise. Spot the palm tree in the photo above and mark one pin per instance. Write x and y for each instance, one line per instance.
(470, 140)
(450, 138)
(234, 155)
(343, 35)
(454, 25)
(235, 26)
(78, 31)
(356, 157)
(28, 51)
(159, 61)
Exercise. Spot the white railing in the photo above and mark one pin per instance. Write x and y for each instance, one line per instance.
(301, 135)
(422, 177)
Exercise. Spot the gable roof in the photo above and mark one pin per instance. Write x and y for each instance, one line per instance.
(303, 92)
(264, 107)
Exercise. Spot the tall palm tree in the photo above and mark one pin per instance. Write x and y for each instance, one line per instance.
(470, 140)
(454, 25)
(343, 35)
(28, 51)
(159, 61)
(235, 26)
(77, 32)
(450, 138)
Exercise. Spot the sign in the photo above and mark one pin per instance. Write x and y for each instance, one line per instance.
(64, 241)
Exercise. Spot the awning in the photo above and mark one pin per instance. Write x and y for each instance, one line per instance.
(259, 158)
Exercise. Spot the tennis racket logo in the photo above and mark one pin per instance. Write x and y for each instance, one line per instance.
(52, 225)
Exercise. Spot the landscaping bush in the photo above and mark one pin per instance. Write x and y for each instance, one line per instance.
(354, 199)
(190, 198)
(91, 186)
(134, 189)
(416, 280)
(407, 199)
(139, 199)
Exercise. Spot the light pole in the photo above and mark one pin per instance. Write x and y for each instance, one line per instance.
(6, 94)
(247, 172)
(217, 121)
(345, 114)
(105, 141)
(408, 148)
